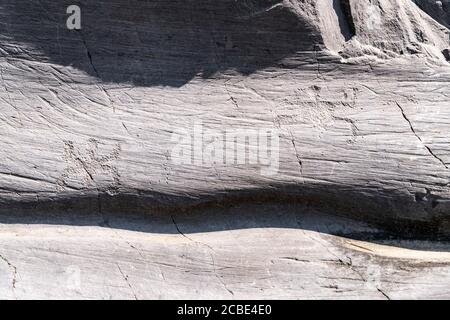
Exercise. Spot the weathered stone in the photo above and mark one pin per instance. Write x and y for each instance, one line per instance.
(354, 94)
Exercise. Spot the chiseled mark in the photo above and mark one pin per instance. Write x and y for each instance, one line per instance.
(353, 127)
(87, 161)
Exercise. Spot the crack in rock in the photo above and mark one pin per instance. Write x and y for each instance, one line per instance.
(125, 277)
(14, 271)
(419, 138)
(218, 277)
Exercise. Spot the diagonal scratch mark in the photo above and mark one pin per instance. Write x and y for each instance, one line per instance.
(419, 138)
(384, 294)
(91, 62)
(297, 155)
(88, 52)
(125, 277)
(190, 239)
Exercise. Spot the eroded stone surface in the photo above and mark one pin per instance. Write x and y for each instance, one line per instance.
(361, 108)
(241, 252)
(95, 203)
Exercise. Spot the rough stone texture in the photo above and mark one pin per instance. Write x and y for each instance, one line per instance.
(439, 10)
(358, 90)
(241, 252)
(88, 115)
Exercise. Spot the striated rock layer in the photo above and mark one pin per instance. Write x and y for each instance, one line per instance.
(357, 92)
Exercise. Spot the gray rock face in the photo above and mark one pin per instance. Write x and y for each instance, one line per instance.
(356, 92)
(245, 252)
(166, 43)
(439, 10)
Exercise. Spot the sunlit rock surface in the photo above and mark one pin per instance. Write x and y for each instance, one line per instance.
(353, 94)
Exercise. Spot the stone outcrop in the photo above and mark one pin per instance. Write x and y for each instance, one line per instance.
(356, 91)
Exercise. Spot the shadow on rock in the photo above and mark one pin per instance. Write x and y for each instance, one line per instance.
(151, 43)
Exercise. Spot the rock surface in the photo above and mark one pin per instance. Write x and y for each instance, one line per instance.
(89, 116)
(439, 10)
(120, 149)
(241, 252)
